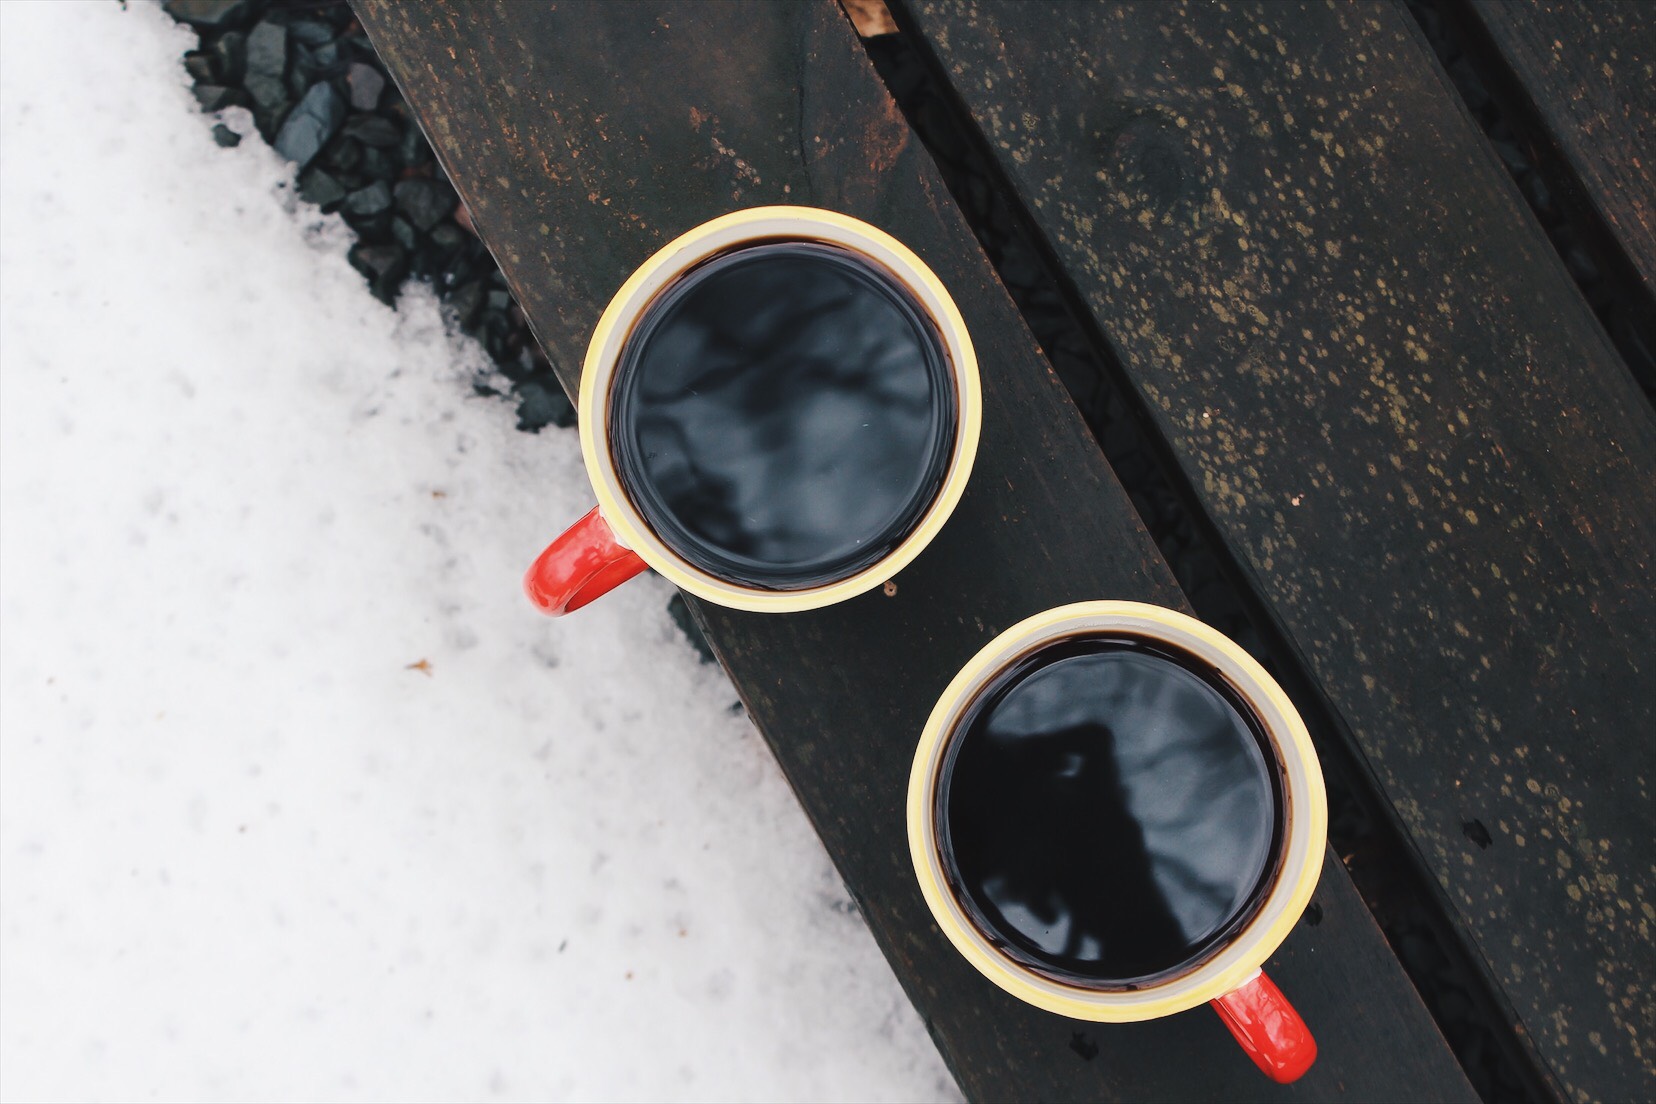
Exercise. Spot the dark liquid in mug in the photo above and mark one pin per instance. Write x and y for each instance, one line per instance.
(783, 415)
(1107, 814)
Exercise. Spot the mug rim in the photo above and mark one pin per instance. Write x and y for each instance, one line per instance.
(691, 248)
(1305, 815)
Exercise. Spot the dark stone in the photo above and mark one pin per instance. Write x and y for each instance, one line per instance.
(301, 74)
(403, 234)
(304, 69)
(209, 13)
(414, 151)
(225, 137)
(499, 301)
(342, 155)
(366, 84)
(464, 267)
(328, 59)
(445, 238)
(1581, 266)
(1511, 155)
(312, 123)
(358, 43)
(426, 202)
(519, 367)
(213, 97)
(380, 165)
(542, 403)
(318, 187)
(383, 265)
(679, 611)
(372, 229)
(372, 130)
(491, 330)
(1470, 87)
(229, 52)
(372, 200)
(269, 120)
(267, 65)
(269, 96)
(310, 33)
(465, 302)
(425, 263)
(200, 67)
(1535, 190)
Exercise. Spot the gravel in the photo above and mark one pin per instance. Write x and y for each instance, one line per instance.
(320, 95)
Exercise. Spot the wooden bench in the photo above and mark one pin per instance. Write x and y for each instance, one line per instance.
(1458, 568)
(1578, 82)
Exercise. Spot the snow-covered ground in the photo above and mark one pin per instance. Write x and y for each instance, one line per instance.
(298, 796)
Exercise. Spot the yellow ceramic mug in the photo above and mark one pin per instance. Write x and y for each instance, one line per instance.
(1227, 974)
(615, 541)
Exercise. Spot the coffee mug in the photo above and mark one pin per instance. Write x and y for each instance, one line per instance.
(779, 410)
(1115, 814)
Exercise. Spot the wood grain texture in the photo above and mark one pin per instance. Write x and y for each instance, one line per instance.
(1586, 73)
(584, 136)
(1393, 404)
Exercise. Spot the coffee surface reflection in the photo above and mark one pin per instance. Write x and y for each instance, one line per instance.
(1107, 814)
(783, 415)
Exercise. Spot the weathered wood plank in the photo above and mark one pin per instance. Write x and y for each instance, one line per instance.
(1585, 73)
(583, 136)
(1393, 404)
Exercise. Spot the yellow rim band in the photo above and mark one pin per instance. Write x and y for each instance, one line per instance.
(1306, 815)
(679, 255)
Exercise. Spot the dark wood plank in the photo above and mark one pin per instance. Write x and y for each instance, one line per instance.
(1584, 72)
(1394, 406)
(583, 136)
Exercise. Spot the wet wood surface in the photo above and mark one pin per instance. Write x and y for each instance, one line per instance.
(1415, 441)
(584, 136)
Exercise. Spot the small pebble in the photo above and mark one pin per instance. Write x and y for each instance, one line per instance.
(374, 131)
(311, 124)
(267, 65)
(207, 13)
(425, 202)
(366, 85)
(318, 187)
(322, 99)
(371, 200)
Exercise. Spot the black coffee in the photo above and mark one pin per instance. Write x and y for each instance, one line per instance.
(1108, 813)
(783, 415)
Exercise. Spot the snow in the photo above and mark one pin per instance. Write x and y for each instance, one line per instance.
(247, 851)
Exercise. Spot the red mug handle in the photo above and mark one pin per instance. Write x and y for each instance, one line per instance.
(584, 563)
(1268, 1028)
